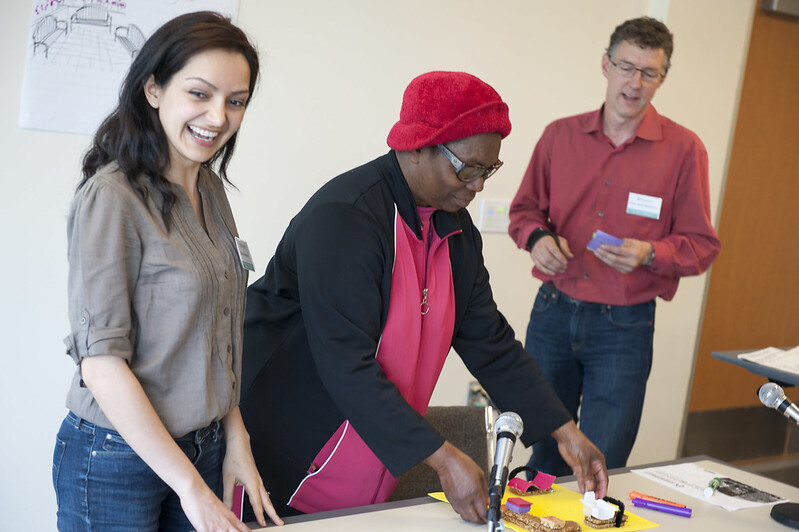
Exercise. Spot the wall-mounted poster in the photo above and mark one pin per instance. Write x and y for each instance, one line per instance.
(80, 50)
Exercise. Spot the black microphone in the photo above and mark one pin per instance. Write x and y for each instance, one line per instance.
(772, 396)
(508, 427)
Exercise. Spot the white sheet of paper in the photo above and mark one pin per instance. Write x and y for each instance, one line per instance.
(776, 358)
(72, 79)
(692, 480)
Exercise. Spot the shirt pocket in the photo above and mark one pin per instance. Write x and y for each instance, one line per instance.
(167, 266)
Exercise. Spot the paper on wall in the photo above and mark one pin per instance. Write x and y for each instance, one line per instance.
(76, 60)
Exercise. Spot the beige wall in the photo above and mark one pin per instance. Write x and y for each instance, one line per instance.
(332, 82)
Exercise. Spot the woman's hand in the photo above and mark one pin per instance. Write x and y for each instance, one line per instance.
(206, 512)
(463, 482)
(587, 462)
(239, 468)
(123, 401)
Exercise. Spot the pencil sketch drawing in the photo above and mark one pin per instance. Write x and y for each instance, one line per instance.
(85, 34)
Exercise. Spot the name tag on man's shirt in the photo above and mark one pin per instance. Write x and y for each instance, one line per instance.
(643, 205)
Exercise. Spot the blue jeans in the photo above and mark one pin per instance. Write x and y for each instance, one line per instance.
(102, 484)
(597, 358)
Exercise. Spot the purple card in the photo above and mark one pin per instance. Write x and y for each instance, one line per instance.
(600, 237)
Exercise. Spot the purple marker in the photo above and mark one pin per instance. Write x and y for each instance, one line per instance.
(676, 510)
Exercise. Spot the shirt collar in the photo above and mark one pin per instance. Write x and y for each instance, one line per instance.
(592, 121)
(648, 129)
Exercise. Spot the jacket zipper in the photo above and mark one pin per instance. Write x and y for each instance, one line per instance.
(425, 306)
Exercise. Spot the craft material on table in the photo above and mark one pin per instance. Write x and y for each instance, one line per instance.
(644, 496)
(564, 504)
(660, 507)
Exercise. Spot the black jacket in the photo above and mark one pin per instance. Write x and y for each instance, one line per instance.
(312, 324)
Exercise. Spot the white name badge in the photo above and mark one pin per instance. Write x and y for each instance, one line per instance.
(244, 255)
(643, 205)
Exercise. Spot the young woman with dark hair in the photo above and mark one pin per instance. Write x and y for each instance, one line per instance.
(154, 436)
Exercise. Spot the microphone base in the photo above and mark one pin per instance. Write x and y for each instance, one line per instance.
(786, 513)
(496, 526)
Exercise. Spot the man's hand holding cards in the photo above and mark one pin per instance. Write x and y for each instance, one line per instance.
(600, 237)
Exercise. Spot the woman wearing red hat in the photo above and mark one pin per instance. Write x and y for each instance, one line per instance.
(376, 278)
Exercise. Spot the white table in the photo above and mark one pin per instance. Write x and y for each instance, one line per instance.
(426, 514)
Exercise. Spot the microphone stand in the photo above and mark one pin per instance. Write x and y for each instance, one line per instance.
(507, 427)
(495, 493)
(786, 513)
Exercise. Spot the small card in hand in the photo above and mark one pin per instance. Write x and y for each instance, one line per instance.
(600, 237)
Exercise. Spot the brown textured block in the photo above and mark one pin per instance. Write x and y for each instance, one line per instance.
(593, 522)
(553, 522)
(536, 524)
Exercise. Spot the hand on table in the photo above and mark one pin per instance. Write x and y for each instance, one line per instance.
(587, 462)
(206, 512)
(239, 467)
(463, 482)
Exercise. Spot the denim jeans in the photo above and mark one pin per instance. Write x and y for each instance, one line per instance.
(102, 484)
(597, 358)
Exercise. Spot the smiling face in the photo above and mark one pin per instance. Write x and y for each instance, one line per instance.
(626, 99)
(433, 181)
(201, 107)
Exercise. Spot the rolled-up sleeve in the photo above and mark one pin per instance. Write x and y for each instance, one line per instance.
(104, 253)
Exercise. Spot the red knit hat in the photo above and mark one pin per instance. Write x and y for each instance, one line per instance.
(439, 107)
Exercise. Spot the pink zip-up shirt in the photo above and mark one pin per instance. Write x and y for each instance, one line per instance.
(412, 350)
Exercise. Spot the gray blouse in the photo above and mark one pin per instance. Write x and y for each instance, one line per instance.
(170, 303)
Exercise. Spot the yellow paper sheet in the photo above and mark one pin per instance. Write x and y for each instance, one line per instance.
(565, 504)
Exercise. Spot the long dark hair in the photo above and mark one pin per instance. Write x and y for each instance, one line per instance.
(132, 135)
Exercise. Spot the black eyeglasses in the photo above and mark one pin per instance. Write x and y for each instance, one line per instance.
(626, 70)
(469, 172)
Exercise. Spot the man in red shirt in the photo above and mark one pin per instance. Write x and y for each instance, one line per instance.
(614, 208)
